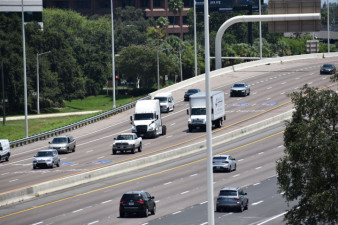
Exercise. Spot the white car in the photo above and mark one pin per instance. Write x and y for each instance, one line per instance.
(46, 158)
(224, 163)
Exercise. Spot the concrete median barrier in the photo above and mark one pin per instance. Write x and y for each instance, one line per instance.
(113, 170)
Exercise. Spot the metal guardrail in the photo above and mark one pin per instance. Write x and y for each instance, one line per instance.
(73, 126)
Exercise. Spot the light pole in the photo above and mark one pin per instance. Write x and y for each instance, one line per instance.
(179, 49)
(38, 80)
(112, 54)
(195, 42)
(328, 26)
(24, 68)
(3, 94)
(260, 29)
(158, 66)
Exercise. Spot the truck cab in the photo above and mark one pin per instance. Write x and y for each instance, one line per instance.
(147, 121)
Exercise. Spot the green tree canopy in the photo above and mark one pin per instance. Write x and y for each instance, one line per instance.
(308, 171)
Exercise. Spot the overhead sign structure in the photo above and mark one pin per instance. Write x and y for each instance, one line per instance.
(32, 8)
(226, 5)
(294, 7)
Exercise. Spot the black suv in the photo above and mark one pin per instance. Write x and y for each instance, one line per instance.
(139, 202)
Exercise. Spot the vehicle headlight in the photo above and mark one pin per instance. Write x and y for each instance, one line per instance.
(49, 160)
(133, 129)
(150, 128)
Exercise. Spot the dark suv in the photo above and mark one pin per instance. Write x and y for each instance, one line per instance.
(139, 202)
(232, 197)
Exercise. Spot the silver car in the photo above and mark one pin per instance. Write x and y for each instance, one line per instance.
(63, 144)
(223, 163)
(232, 198)
(46, 158)
(240, 89)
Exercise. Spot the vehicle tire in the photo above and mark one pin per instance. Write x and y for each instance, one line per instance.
(52, 166)
(74, 148)
(122, 214)
(7, 158)
(114, 152)
(235, 167)
(241, 208)
(146, 212)
(218, 209)
(34, 167)
(140, 147)
(58, 164)
(190, 129)
(133, 150)
(246, 206)
(168, 110)
(153, 211)
(219, 123)
(67, 150)
(164, 130)
(249, 93)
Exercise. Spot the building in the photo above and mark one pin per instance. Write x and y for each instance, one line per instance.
(32, 9)
(152, 9)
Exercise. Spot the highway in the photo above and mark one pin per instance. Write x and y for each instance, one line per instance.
(269, 86)
(176, 185)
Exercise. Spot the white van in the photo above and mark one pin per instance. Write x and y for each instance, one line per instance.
(5, 151)
(166, 101)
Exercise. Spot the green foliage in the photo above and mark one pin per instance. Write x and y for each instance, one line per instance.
(308, 171)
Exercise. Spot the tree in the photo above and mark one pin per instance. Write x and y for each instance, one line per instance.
(308, 171)
(175, 6)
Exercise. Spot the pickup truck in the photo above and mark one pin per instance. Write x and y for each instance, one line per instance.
(127, 142)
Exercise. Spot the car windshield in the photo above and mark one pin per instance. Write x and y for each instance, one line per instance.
(42, 154)
(144, 116)
(220, 158)
(198, 111)
(162, 99)
(228, 193)
(239, 85)
(328, 66)
(124, 137)
(59, 140)
(128, 197)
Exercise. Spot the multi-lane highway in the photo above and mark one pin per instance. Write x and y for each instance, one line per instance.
(175, 190)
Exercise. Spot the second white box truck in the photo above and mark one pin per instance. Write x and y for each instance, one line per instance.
(197, 110)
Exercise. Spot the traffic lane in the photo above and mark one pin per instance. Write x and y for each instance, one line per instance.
(101, 155)
(186, 188)
(266, 206)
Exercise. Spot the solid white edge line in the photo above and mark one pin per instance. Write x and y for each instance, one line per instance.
(272, 218)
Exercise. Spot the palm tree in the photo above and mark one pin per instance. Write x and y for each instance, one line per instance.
(175, 6)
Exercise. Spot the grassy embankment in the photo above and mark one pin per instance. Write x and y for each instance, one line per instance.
(15, 129)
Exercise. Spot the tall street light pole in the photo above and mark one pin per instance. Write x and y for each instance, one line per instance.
(260, 29)
(24, 68)
(158, 66)
(3, 94)
(210, 178)
(195, 38)
(113, 54)
(328, 26)
(38, 80)
(179, 48)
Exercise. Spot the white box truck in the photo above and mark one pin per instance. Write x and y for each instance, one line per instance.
(147, 120)
(197, 111)
(5, 151)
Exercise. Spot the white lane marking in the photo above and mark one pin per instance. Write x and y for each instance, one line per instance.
(268, 98)
(268, 88)
(144, 223)
(257, 168)
(283, 83)
(106, 201)
(184, 192)
(77, 210)
(167, 183)
(256, 203)
(272, 218)
(93, 222)
(296, 88)
(282, 93)
(236, 175)
(256, 184)
(240, 160)
(13, 180)
(177, 212)
(203, 202)
(4, 174)
(260, 153)
(157, 201)
(147, 143)
(89, 151)
(280, 146)
(172, 124)
(37, 223)
(204, 223)
(169, 136)
(282, 193)
(101, 157)
(194, 175)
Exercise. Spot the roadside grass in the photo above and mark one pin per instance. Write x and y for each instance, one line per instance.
(15, 129)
